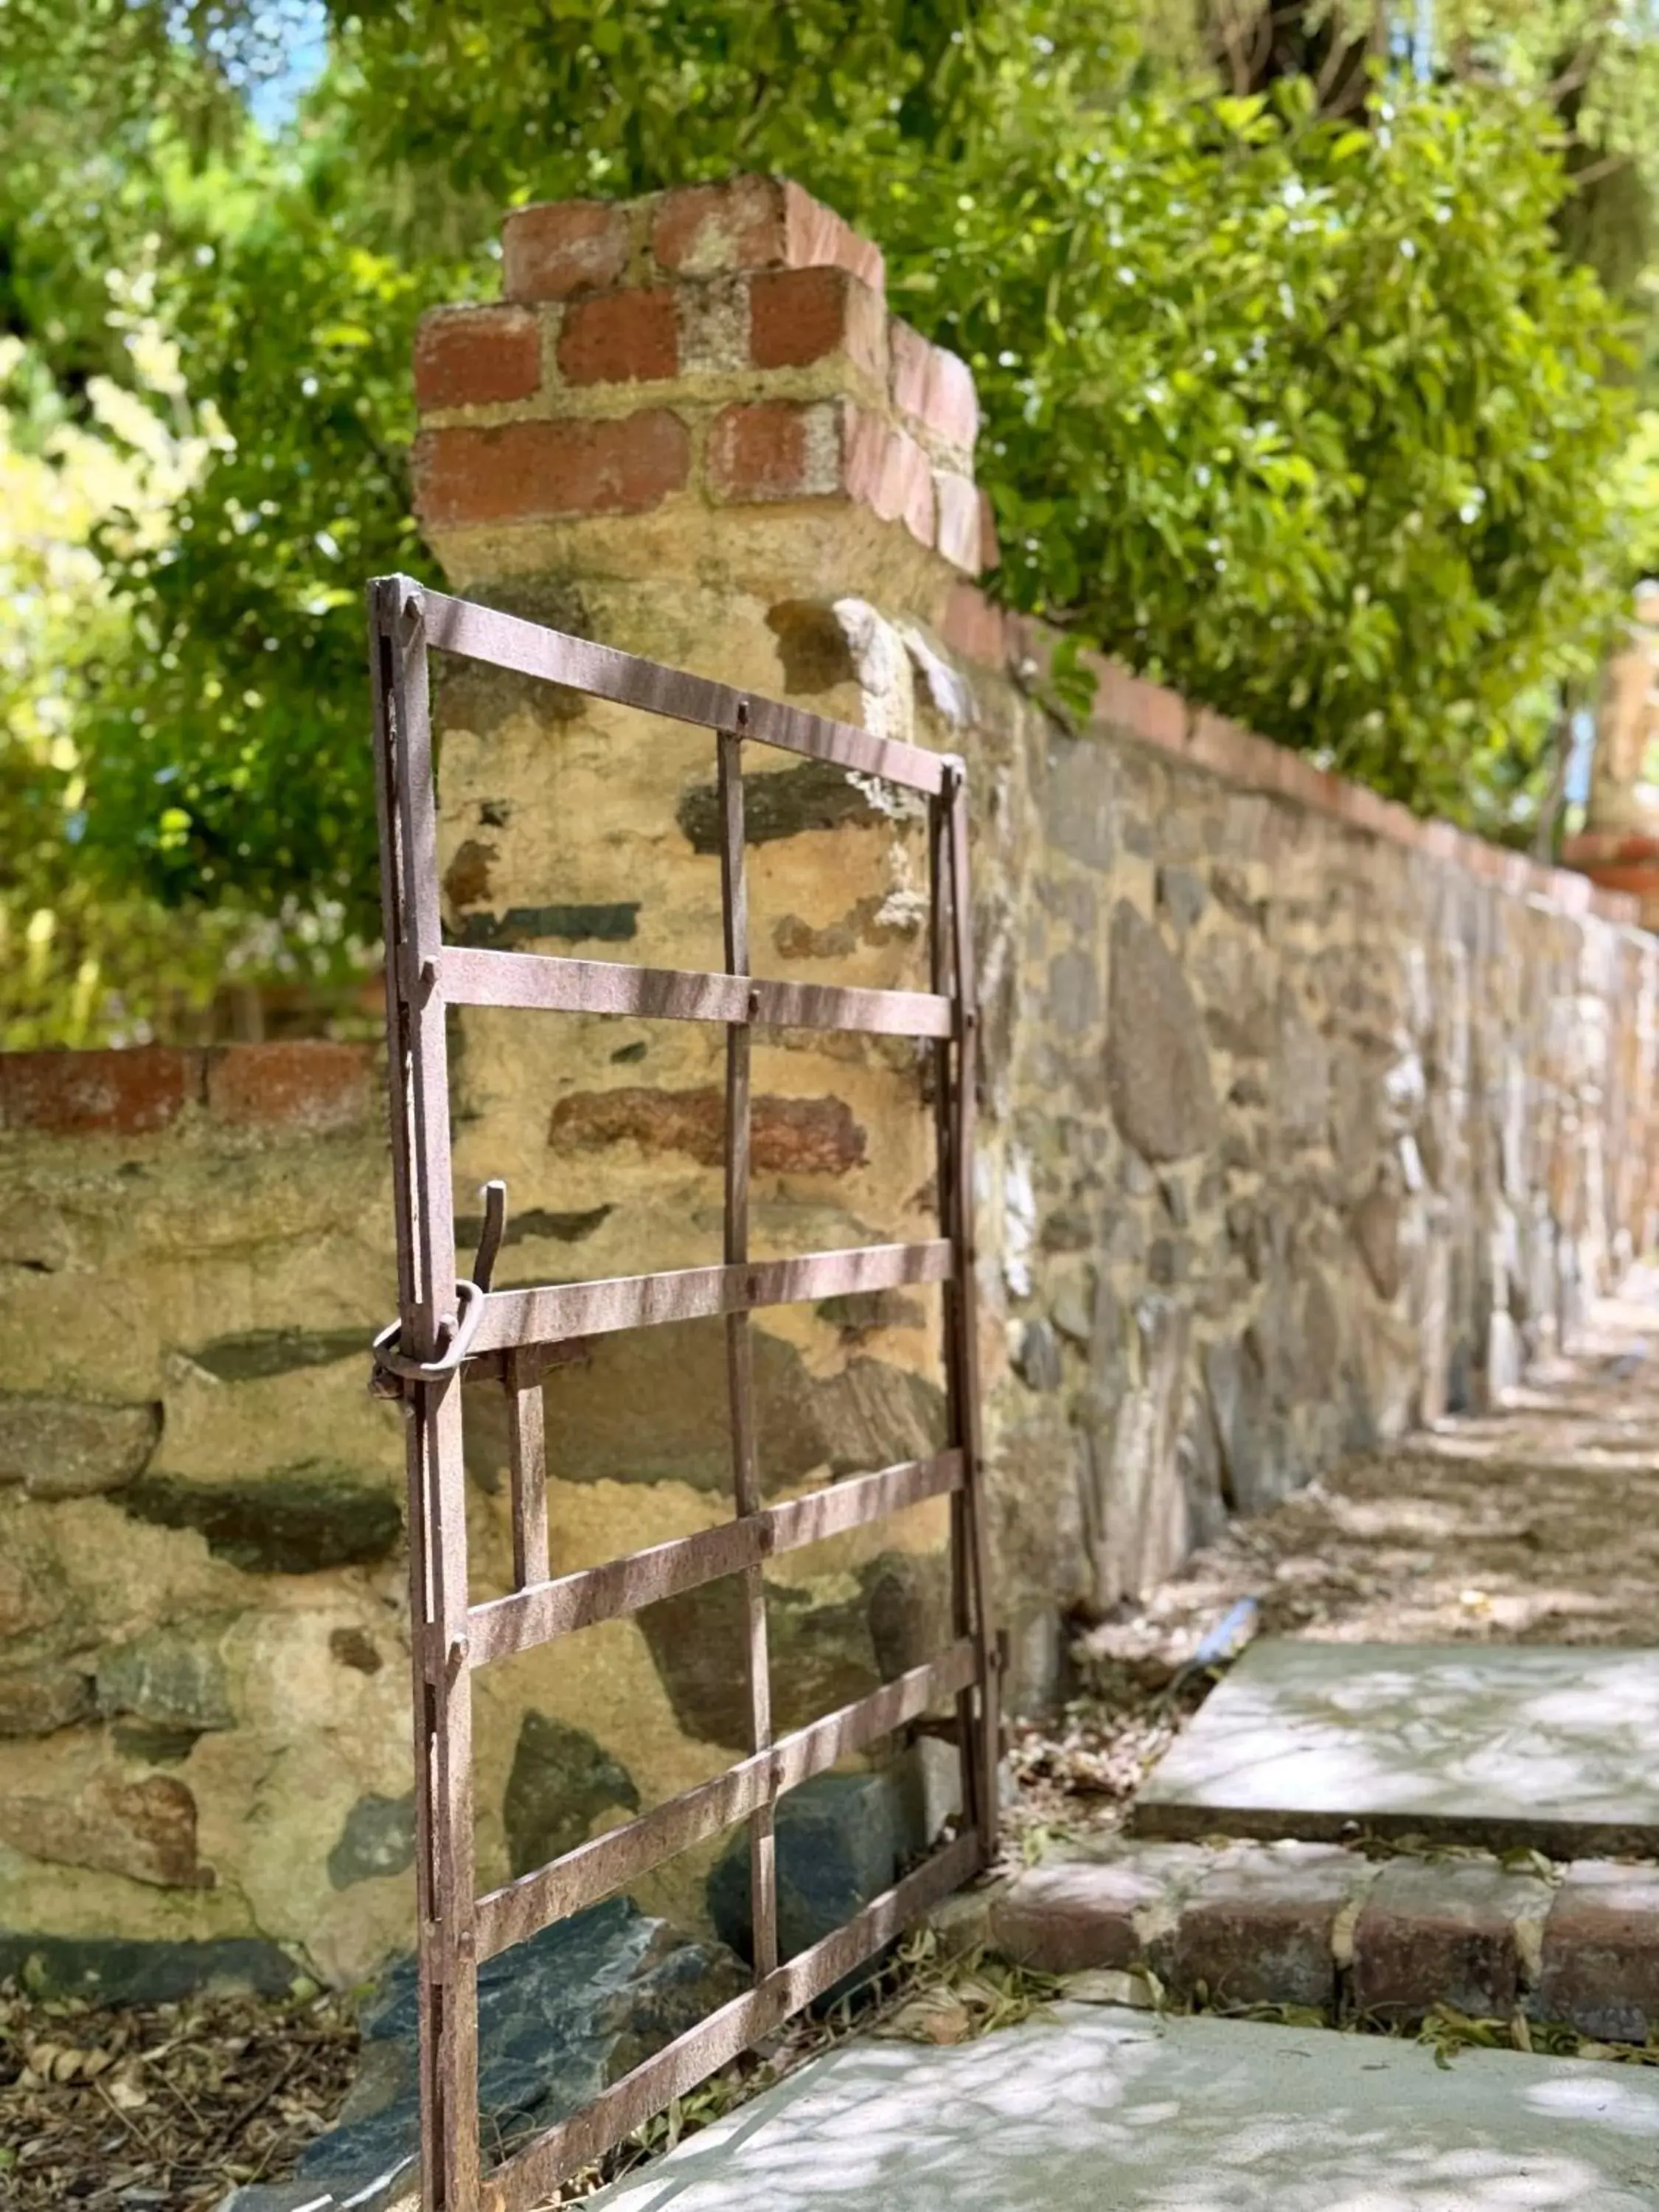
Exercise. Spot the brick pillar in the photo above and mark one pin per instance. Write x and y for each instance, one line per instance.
(705, 387)
(691, 429)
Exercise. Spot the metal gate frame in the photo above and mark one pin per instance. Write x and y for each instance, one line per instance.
(448, 1327)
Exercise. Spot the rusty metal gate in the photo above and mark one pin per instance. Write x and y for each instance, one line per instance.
(449, 1328)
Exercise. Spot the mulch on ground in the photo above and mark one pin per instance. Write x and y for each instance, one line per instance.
(164, 2105)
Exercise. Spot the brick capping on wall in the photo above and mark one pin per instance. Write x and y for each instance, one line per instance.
(303, 1086)
(981, 631)
(720, 345)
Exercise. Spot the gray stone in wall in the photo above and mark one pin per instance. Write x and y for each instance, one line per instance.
(562, 1779)
(1198, 1457)
(1037, 1361)
(73, 1447)
(651, 1405)
(1080, 812)
(174, 1677)
(1073, 994)
(823, 1656)
(1374, 1224)
(258, 1354)
(39, 1699)
(116, 1971)
(1237, 1392)
(608, 924)
(295, 1522)
(559, 2018)
(842, 1839)
(1303, 1074)
(377, 1839)
(789, 801)
(1158, 1067)
(572, 1228)
(1182, 897)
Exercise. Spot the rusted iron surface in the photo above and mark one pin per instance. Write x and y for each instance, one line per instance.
(550, 1312)
(508, 641)
(536, 1614)
(448, 1327)
(525, 2179)
(545, 982)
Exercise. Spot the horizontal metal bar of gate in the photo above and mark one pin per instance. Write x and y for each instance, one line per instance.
(546, 1313)
(606, 1862)
(527, 2178)
(507, 641)
(525, 1618)
(545, 982)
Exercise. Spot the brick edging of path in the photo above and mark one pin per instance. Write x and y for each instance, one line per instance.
(1380, 1941)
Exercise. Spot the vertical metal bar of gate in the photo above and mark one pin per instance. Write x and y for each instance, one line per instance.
(437, 1497)
(514, 1335)
(740, 1365)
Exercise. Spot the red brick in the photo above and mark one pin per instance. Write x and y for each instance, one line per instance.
(620, 337)
(1258, 1926)
(974, 627)
(799, 316)
(888, 470)
(305, 1083)
(799, 1136)
(563, 247)
(525, 471)
(933, 387)
(1442, 1931)
(776, 449)
(957, 505)
(125, 1094)
(476, 356)
(757, 222)
(1601, 1951)
(1148, 711)
(1077, 1914)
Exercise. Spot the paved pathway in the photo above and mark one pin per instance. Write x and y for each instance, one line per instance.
(1093, 2109)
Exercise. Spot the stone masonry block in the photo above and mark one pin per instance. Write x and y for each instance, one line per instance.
(799, 316)
(1601, 1970)
(305, 1083)
(934, 388)
(1259, 1926)
(757, 222)
(73, 1447)
(531, 471)
(618, 337)
(1443, 1931)
(476, 356)
(563, 248)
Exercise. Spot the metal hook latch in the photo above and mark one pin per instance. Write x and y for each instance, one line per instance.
(394, 1370)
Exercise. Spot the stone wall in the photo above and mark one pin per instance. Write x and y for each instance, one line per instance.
(1302, 1121)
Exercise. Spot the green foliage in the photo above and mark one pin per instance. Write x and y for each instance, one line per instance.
(1307, 416)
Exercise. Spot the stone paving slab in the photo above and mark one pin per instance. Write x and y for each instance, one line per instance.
(1493, 1744)
(1094, 2110)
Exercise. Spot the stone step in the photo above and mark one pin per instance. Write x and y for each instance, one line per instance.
(1238, 1926)
(1498, 1746)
